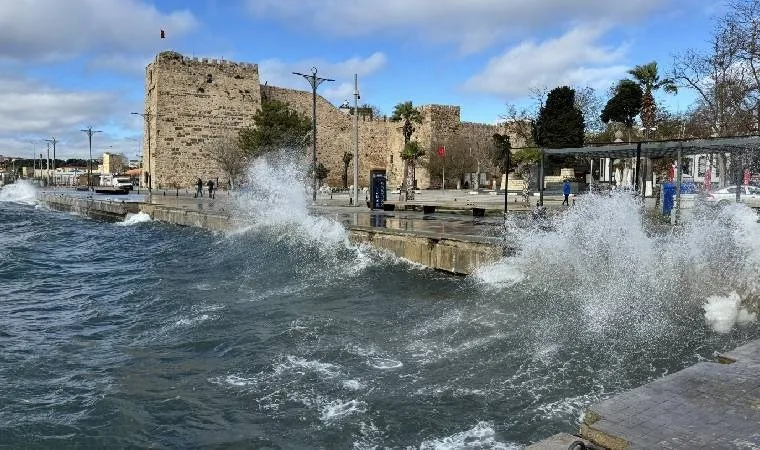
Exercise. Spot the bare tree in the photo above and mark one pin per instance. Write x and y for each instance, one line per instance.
(227, 153)
(720, 82)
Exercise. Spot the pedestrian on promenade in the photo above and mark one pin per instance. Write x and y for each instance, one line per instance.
(566, 192)
(199, 188)
(210, 185)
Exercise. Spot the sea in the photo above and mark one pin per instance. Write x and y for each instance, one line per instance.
(284, 334)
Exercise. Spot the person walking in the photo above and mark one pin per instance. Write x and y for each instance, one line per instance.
(566, 192)
(210, 185)
(199, 188)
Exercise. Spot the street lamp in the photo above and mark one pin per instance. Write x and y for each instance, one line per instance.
(89, 131)
(53, 141)
(146, 117)
(314, 81)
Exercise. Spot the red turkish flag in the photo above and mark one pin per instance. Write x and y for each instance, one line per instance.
(163, 34)
(442, 151)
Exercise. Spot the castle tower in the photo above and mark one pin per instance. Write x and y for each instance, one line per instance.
(189, 103)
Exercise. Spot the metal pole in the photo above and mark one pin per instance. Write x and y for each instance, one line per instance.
(53, 141)
(89, 163)
(506, 182)
(356, 140)
(638, 167)
(314, 139)
(314, 81)
(47, 164)
(89, 131)
(541, 181)
(147, 178)
(678, 183)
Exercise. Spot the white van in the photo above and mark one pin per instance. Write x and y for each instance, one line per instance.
(122, 182)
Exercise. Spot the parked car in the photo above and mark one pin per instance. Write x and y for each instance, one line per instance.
(122, 182)
(750, 195)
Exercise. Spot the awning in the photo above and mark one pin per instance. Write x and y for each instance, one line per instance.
(660, 149)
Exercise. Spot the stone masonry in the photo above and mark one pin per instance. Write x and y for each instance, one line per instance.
(191, 102)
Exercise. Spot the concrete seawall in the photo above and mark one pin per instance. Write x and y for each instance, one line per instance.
(451, 254)
(459, 255)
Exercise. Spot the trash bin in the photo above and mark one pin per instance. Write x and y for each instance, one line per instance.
(668, 197)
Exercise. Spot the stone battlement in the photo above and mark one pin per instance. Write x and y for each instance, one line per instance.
(177, 58)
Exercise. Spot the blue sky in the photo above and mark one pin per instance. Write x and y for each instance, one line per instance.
(67, 64)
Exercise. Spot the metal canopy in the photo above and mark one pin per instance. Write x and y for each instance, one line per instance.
(659, 149)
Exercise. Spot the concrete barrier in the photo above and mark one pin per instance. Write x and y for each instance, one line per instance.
(456, 255)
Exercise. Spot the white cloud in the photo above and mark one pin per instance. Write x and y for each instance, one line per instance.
(472, 25)
(55, 29)
(575, 58)
(280, 73)
(33, 111)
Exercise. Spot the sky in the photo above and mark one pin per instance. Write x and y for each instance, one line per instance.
(69, 64)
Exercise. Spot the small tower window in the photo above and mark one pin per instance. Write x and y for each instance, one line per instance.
(209, 78)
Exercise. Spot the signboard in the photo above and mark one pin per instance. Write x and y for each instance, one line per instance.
(378, 192)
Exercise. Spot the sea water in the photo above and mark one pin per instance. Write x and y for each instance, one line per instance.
(283, 334)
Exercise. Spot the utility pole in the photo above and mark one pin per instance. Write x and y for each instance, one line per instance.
(314, 81)
(47, 164)
(356, 140)
(53, 141)
(146, 118)
(89, 131)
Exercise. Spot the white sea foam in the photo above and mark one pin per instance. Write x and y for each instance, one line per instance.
(134, 219)
(723, 312)
(354, 385)
(385, 363)
(338, 409)
(481, 435)
(296, 364)
(22, 191)
(276, 200)
(606, 259)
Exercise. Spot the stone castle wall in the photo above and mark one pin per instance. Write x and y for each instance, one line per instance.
(192, 102)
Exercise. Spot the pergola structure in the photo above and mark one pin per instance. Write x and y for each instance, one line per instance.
(658, 149)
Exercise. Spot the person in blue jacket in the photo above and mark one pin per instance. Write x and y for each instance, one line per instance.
(566, 192)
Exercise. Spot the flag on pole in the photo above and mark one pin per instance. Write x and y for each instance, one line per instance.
(442, 151)
(163, 34)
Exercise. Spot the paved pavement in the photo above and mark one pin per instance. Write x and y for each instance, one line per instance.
(705, 406)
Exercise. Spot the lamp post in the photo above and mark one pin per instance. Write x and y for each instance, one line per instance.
(356, 140)
(148, 175)
(89, 131)
(314, 81)
(53, 141)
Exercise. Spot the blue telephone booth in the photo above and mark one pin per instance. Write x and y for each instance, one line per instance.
(378, 189)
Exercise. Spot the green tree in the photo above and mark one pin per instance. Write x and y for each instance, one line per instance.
(276, 126)
(560, 122)
(649, 80)
(406, 112)
(625, 105)
(347, 157)
(410, 154)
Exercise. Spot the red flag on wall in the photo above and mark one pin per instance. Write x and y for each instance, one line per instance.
(442, 151)
(163, 34)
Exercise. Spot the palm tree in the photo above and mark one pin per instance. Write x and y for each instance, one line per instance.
(646, 76)
(407, 113)
(410, 154)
